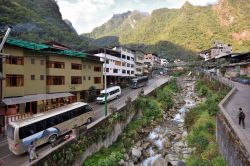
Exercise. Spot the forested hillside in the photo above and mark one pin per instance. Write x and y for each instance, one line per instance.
(39, 21)
(193, 28)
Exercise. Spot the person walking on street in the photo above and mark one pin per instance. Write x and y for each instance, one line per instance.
(241, 118)
(32, 152)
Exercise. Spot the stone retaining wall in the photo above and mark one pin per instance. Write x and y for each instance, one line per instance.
(230, 146)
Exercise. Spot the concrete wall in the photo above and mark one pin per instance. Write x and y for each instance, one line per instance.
(230, 146)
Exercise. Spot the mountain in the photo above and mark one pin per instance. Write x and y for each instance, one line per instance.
(193, 28)
(39, 21)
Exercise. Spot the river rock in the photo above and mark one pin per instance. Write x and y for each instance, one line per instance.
(121, 162)
(145, 145)
(167, 144)
(160, 162)
(136, 152)
(126, 157)
(179, 144)
(184, 134)
(181, 163)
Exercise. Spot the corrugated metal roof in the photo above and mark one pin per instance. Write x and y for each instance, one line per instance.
(43, 48)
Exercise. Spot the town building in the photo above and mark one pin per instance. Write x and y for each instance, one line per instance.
(139, 63)
(217, 51)
(39, 77)
(152, 61)
(120, 64)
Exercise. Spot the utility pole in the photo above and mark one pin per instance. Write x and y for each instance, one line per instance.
(105, 80)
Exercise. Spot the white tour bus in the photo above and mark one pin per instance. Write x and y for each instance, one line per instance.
(46, 127)
(112, 93)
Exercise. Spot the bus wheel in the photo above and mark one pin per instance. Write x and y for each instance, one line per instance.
(89, 120)
(52, 138)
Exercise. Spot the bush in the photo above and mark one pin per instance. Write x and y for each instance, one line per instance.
(219, 161)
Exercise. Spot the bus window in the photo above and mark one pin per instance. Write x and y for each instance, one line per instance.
(88, 108)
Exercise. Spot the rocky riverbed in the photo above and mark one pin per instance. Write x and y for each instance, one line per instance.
(165, 143)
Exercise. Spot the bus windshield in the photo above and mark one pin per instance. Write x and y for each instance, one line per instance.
(10, 132)
(102, 95)
(133, 83)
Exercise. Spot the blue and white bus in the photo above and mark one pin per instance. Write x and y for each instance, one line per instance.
(47, 127)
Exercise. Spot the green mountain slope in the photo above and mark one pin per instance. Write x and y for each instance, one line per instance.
(193, 28)
(39, 21)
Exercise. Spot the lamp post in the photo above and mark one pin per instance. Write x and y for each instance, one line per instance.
(105, 84)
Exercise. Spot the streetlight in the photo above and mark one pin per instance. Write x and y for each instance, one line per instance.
(105, 85)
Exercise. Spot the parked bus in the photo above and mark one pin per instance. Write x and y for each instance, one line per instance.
(112, 93)
(47, 127)
(139, 82)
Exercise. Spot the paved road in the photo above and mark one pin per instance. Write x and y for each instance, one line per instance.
(240, 99)
(11, 160)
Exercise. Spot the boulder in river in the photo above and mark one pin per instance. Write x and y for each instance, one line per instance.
(136, 152)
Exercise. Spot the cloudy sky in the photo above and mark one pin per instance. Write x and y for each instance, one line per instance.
(88, 14)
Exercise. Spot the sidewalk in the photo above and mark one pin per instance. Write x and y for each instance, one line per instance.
(240, 99)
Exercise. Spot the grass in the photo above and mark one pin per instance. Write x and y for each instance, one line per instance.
(200, 122)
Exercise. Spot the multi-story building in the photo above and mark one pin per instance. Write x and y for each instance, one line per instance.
(39, 77)
(219, 50)
(119, 65)
(152, 60)
(139, 63)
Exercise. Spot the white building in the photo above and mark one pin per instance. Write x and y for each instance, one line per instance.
(139, 63)
(164, 61)
(120, 64)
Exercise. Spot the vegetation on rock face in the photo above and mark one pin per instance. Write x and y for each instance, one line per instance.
(171, 32)
(39, 21)
(200, 122)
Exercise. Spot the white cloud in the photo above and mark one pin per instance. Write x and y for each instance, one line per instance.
(88, 14)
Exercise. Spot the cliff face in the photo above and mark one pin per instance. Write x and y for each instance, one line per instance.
(39, 21)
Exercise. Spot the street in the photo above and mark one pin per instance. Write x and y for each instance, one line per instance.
(9, 159)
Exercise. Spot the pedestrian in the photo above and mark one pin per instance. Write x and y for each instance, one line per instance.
(241, 116)
(32, 152)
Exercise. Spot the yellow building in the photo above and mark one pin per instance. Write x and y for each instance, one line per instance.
(38, 77)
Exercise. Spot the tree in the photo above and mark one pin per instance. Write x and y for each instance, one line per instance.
(92, 93)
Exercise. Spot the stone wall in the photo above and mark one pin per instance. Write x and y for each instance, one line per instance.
(229, 143)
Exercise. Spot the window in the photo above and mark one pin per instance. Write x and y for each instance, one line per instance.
(115, 70)
(128, 65)
(118, 63)
(128, 72)
(41, 77)
(89, 78)
(97, 80)
(89, 67)
(42, 62)
(55, 80)
(132, 65)
(84, 66)
(132, 72)
(14, 80)
(97, 69)
(107, 61)
(13, 60)
(123, 63)
(123, 56)
(84, 78)
(76, 79)
(123, 71)
(32, 77)
(128, 57)
(32, 61)
(107, 70)
(132, 59)
(76, 66)
(58, 65)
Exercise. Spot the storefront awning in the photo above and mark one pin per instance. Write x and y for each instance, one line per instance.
(30, 98)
